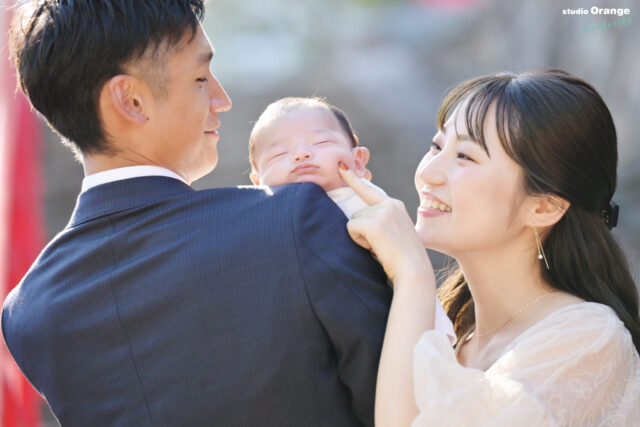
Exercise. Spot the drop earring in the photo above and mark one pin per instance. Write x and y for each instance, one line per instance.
(541, 254)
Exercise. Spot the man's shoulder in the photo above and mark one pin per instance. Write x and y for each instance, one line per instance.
(265, 191)
(303, 207)
(268, 198)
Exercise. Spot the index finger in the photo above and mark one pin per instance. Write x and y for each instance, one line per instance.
(368, 192)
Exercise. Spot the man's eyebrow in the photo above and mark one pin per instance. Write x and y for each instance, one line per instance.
(206, 57)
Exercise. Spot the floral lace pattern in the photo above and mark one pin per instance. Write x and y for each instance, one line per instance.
(576, 367)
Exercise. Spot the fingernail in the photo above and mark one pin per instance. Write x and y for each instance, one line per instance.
(343, 166)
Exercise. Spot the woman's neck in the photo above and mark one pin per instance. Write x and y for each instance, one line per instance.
(502, 281)
(509, 296)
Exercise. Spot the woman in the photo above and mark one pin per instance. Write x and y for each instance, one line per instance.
(517, 187)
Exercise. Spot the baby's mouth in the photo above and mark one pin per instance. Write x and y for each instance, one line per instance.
(304, 168)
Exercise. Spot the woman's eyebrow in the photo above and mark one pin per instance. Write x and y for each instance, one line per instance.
(464, 137)
(459, 136)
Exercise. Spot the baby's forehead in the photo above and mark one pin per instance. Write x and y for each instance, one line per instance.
(306, 114)
(302, 122)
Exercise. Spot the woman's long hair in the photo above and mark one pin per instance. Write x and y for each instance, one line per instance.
(557, 128)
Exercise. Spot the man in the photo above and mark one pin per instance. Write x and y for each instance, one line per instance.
(161, 305)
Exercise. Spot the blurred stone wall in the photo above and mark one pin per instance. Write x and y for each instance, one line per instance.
(388, 64)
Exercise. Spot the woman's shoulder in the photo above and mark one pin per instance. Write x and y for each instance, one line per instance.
(587, 314)
(581, 328)
(577, 355)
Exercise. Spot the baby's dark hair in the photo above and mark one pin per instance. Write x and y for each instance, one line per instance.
(290, 104)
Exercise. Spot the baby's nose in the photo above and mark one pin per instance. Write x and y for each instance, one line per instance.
(302, 155)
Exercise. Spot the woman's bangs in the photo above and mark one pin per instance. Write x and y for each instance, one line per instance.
(475, 99)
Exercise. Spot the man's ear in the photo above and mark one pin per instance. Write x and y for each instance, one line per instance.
(126, 98)
(361, 155)
(546, 210)
(255, 178)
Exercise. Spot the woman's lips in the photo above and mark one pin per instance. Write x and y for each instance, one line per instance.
(431, 212)
(430, 205)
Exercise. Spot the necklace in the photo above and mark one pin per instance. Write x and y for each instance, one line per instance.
(522, 309)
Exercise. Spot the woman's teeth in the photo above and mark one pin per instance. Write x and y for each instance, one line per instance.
(435, 205)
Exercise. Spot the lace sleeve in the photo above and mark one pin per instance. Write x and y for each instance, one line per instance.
(576, 367)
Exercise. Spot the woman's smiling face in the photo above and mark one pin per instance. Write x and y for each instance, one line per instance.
(469, 197)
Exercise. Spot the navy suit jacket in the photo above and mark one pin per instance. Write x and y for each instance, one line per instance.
(162, 305)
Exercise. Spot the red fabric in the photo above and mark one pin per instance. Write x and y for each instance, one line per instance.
(24, 228)
(21, 407)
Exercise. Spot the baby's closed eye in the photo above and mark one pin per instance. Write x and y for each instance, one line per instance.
(277, 154)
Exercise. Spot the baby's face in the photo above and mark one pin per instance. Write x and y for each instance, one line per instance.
(305, 146)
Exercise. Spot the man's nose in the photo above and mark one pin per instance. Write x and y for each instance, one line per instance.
(219, 100)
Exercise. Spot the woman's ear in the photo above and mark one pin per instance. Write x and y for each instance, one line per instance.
(255, 178)
(546, 210)
(361, 156)
(126, 98)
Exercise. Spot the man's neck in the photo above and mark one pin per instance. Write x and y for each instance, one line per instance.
(95, 163)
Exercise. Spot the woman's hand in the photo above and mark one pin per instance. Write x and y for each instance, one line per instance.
(385, 228)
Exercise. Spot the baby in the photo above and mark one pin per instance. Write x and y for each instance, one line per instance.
(302, 140)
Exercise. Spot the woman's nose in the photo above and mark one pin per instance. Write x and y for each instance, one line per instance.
(430, 172)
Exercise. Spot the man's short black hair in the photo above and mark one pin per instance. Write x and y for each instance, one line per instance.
(65, 51)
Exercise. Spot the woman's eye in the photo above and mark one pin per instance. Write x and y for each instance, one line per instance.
(202, 80)
(434, 147)
(465, 157)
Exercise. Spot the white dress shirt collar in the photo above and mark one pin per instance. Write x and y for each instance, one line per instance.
(118, 174)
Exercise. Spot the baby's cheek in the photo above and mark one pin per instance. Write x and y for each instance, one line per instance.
(348, 161)
(275, 174)
(346, 158)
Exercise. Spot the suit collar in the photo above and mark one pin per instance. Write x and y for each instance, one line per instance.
(124, 194)
(111, 175)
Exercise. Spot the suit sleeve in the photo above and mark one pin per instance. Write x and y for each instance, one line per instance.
(348, 291)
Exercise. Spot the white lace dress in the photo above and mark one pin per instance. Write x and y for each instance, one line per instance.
(576, 367)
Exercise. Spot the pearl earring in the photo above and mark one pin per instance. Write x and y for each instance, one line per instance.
(541, 254)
